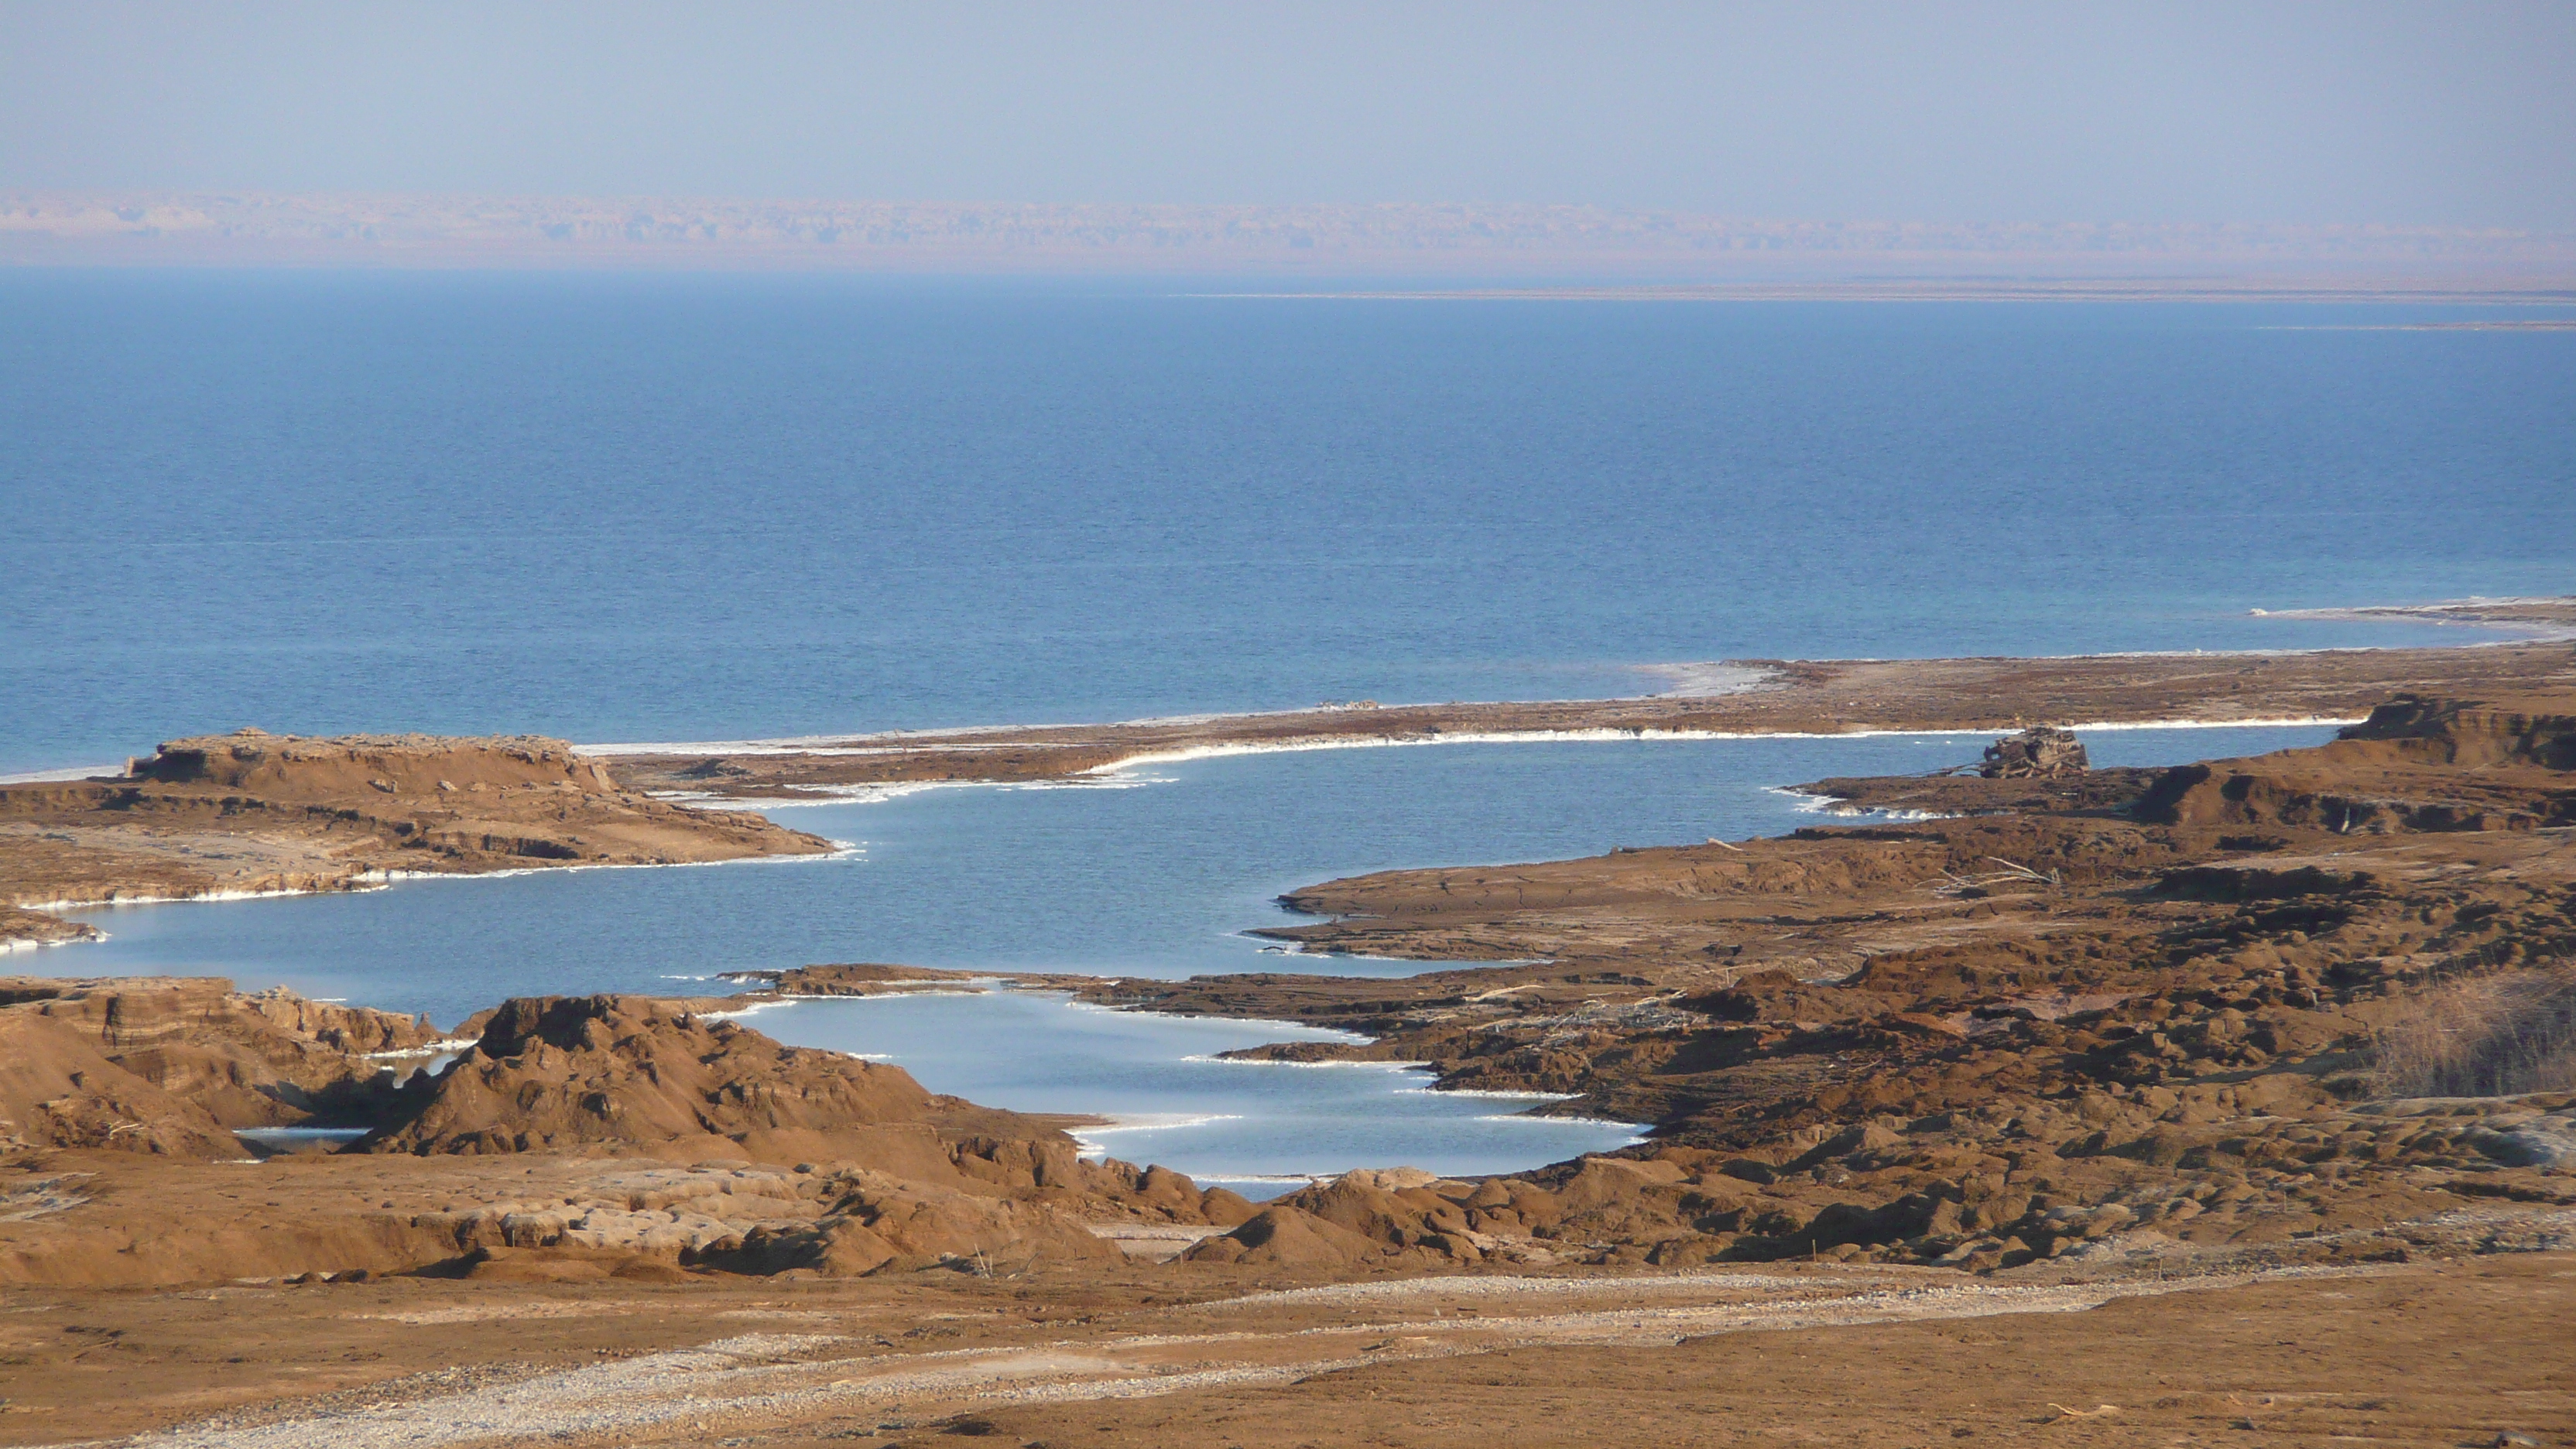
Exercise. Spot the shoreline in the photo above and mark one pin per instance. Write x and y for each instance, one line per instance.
(368, 882)
(2523, 621)
(674, 805)
(1857, 698)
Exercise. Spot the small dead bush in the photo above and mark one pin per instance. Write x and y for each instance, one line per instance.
(2495, 1035)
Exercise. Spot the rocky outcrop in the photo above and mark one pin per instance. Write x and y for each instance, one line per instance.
(641, 1077)
(172, 1065)
(856, 978)
(250, 1059)
(2419, 764)
(875, 1223)
(292, 767)
(58, 1091)
(596, 1097)
(2528, 728)
(22, 928)
(253, 812)
(635, 1075)
(2107, 788)
(2062, 1031)
(2040, 752)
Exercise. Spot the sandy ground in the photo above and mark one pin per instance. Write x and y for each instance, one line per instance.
(2381, 1354)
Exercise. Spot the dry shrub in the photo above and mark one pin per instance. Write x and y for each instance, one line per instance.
(2495, 1035)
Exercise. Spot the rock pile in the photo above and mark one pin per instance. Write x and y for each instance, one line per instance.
(2040, 752)
(631, 1075)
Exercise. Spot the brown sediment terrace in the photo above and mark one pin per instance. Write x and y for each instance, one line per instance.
(254, 813)
(1774, 697)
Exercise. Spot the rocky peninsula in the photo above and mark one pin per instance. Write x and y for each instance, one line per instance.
(251, 813)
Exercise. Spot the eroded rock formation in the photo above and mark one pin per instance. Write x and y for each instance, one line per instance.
(2010, 1037)
(2041, 752)
(173, 1064)
(253, 812)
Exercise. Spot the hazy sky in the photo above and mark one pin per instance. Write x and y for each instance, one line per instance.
(2449, 113)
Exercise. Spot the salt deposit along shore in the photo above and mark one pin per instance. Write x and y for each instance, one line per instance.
(1766, 697)
(252, 813)
(2109, 1106)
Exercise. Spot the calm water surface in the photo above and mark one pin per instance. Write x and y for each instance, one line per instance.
(640, 508)
(1157, 872)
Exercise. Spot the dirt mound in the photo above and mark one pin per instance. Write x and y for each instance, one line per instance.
(58, 1091)
(1286, 1237)
(639, 1076)
(627, 1074)
(255, 1059)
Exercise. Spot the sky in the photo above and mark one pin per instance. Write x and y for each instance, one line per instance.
(2453, 114)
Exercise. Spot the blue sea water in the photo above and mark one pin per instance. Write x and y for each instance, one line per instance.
(622, 508)
(690, 507)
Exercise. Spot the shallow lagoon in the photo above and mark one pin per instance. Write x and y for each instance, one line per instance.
(1153, 871)
(1247, 1125)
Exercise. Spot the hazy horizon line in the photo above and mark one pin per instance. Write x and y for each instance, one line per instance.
(445, 230)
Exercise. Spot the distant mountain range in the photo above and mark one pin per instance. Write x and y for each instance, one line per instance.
(1459, 240)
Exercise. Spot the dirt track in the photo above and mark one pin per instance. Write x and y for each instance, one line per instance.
(1781, 1356)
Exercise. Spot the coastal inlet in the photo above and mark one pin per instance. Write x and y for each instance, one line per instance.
(1153, 872)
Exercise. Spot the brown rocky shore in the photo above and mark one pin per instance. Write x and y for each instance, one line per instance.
(2294, 1000)
(2231, 1102)
(252, 812)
